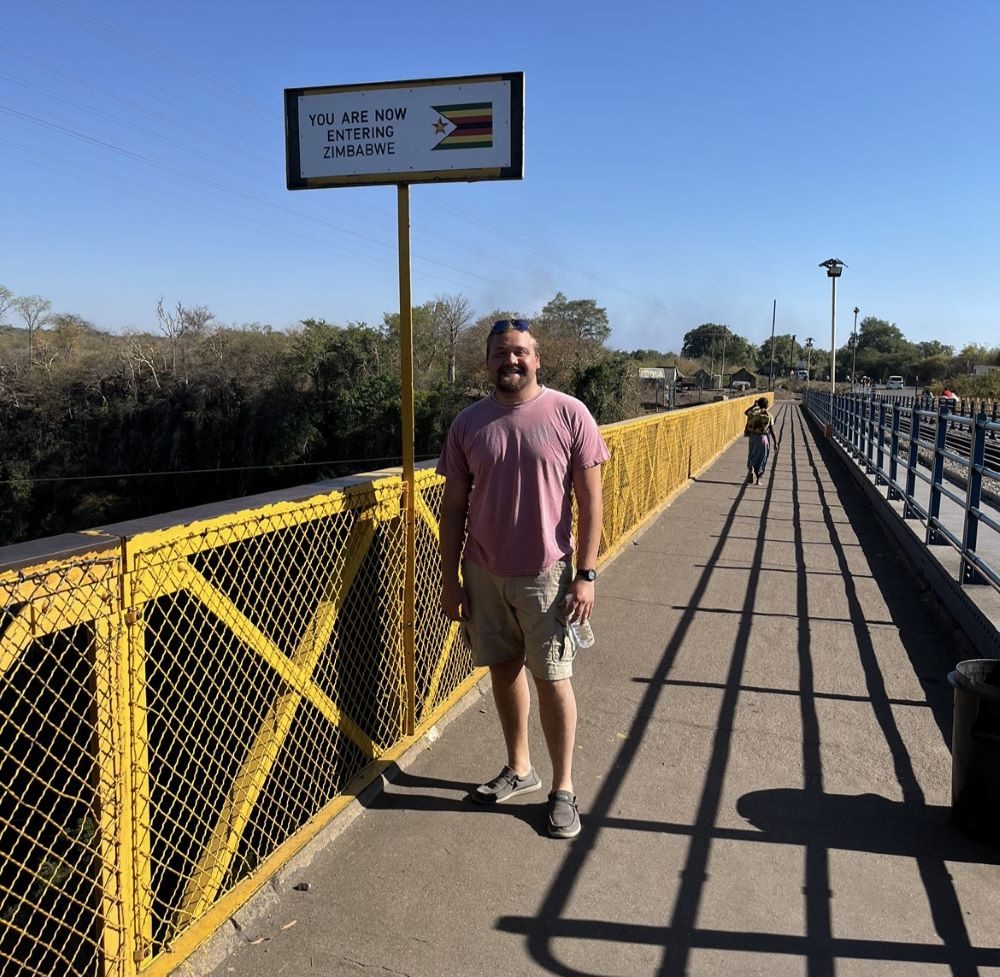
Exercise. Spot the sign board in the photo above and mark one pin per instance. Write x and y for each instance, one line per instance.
(436, 130)
(652, 373)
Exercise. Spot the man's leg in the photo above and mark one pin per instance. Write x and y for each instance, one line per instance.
(513, 699)
(557, 712)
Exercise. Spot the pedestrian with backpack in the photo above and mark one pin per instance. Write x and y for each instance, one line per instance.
(759, 429)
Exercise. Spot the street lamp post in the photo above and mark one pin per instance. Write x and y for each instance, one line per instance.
(834, 268)
(854, 351)
(809, 349)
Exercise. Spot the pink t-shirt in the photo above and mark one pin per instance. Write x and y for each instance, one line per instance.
(520, 460)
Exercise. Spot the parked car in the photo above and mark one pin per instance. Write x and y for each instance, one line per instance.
(894, 383)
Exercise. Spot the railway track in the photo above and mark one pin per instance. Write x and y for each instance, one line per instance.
(958, 437)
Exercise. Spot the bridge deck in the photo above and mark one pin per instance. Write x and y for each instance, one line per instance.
(763, 771)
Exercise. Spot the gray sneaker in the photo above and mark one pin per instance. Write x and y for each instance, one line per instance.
(506, 785)
(564, 818)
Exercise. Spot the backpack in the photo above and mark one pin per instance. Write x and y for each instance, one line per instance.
(757, 423)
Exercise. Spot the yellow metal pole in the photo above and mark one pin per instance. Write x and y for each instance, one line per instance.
(410, 510)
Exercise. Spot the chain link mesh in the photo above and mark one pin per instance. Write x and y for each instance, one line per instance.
(60, 904)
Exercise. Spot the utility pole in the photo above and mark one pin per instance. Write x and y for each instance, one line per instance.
(854, 344)
(791, 356)
(774, 313)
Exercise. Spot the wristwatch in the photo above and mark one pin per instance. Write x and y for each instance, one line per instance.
(590, 575)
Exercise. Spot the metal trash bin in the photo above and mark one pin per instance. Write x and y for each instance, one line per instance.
(975, 749)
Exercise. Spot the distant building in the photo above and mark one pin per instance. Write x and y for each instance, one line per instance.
(656, 385)
(743, 376)
(981, 369)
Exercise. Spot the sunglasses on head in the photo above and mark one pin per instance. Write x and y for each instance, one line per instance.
(505, 325)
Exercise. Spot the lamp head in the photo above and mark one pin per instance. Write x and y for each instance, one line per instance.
(834, 267)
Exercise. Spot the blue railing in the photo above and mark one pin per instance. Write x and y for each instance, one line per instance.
(934, 461)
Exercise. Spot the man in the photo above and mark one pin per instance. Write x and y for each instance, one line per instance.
(512, 463)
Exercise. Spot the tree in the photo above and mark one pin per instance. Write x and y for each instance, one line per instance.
(15, 501)
(740, 351)
(785, 349)
(170, 326)
(702, 341)
(609, 388)
(573, 333)
(194, 322)
(430, 346)
(434, 411)
(68, 329)
(183, 326)
(974, 353)
(651, 357)
(883, 350)
(6, 302)
(135, 353)
(334, 358)
(452, 316)
(719, 344)
(880, 336)
(935, 348)
(34, 311)
(935, 367)
(580, 320)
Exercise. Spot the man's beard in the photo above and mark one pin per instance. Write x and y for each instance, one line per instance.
(511, 382)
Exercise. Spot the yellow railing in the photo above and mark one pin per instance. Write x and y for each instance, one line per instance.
(181, 709)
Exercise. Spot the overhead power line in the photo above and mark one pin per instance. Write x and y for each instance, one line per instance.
(209, 471)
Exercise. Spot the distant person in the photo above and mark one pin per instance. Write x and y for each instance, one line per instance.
(513, 462)
(760, 429)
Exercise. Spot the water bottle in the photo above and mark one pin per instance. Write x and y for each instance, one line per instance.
(583, 633)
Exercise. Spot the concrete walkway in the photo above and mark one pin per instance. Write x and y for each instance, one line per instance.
(763, 772)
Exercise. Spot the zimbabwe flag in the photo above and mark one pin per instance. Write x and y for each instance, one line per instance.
(468, 126)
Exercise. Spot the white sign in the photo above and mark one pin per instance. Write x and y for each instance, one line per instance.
(446, 129)
(652, 373)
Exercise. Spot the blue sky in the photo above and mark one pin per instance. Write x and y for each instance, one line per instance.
(684, 163)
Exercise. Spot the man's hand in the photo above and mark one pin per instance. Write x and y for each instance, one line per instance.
(453, 601)
(578, 604)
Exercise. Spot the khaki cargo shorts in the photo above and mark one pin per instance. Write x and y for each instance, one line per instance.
(518, 617)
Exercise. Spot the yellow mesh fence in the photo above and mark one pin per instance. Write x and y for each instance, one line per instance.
(62, 776)
(181, 708)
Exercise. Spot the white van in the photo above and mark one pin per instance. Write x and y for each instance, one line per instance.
(894, 383)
